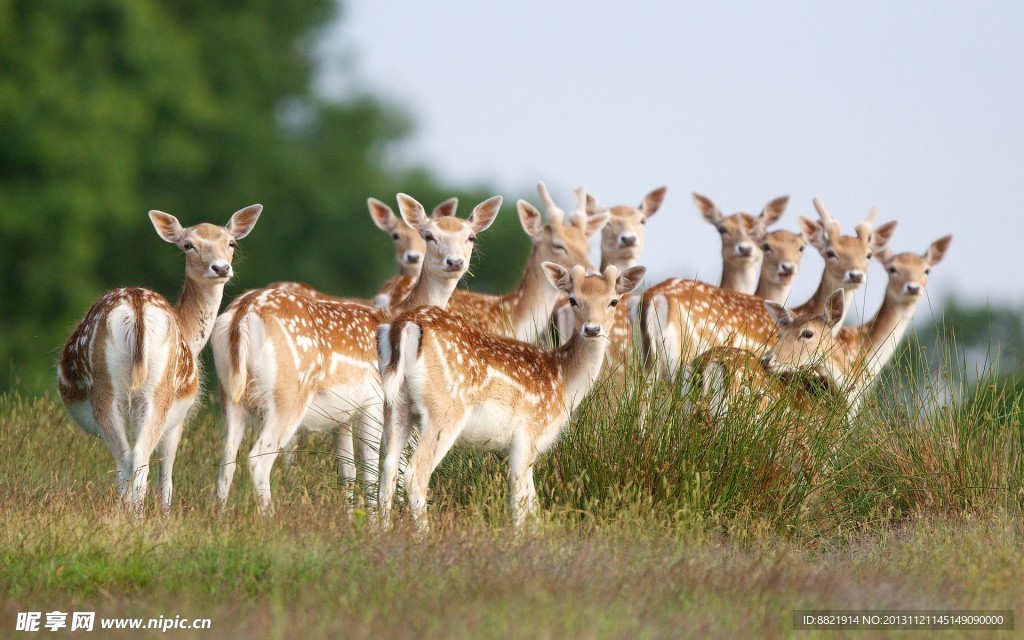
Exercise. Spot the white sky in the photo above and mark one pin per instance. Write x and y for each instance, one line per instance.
(913, 106)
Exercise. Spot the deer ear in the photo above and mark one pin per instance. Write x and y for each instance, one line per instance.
(243, 220)
(445, 209)
(382, 215)
(782, 316)
(413, 212)
(835, 308)
(595, 223)
(485, 213)
(529, 217)
(558, 276)
(629, 279)
(167, 226)
(652, 202)
(937, 250)
(707, 208)
(773, 211)
(881, 236)
(813, 233)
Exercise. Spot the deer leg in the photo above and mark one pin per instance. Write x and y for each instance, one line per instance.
(235, 417)
(277, 431)
(436, 439)
(169, 449)
(394, 438)
(522, 491)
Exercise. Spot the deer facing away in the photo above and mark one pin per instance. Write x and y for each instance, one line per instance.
(130, 371)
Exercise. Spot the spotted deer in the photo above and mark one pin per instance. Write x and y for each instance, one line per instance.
(130, 371)
(682, 318)
(783, 251)
(490, 392)
(805, 364)
(523, 313)
(409, 249)
(622, 244)
(741, 235)
(311, 364)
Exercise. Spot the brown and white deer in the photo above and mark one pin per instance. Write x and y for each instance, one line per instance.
(622, 244)
(490, 392)
(311, 364)
(741, 240)
(408, 246)
(683, 318)
(524, 312)
(847, 359)
(130, 371)
(783, 251)
(804, 364)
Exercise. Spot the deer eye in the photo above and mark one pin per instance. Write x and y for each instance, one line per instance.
(766, 248)
(429, 237)
(722, 230)
(801, 248)
(572, 301)
(188, 246)
(927, 271)
(560, 247)
(472, 238)
(869, 255)
(831, 255)
(395, 235)
(613, 303)
(807, 334)
(232, 243)
(892, 269)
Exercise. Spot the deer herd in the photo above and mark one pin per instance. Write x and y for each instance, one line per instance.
(502, 373)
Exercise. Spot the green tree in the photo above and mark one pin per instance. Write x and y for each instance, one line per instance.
(110, 108)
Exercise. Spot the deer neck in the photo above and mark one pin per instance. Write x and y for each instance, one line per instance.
(532, 302)
(429, 291)
(816, 304)
(884, 333)
(580, 360)
(739, 279)
(621, 263)
(768, 290)
(196, 311)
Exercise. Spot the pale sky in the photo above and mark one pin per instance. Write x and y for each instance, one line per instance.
(917, 107)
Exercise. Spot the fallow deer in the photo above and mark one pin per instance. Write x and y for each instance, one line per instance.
(312, 363)
(741, 234)
(486, 391)
(409, 248)
(130, 371)
(523, 313)
(783, 251)
(683, 318)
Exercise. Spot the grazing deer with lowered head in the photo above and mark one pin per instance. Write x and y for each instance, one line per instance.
(311, 363)
(490, 392)
(409, 248)
(683, 318)
(130, 371)
(741, 240)
(523, 313)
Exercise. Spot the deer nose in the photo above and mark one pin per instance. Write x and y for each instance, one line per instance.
(766, 360)
(413, 257)
(454, 264)
(787, 268)
(745, 250)
(627, 240)
(856, 277)
(591, 330)
(913, 288)
(222, 269)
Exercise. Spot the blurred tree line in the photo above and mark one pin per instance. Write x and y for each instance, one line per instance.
(110, 108)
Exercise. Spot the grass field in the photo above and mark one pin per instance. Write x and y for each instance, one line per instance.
(679, 530)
